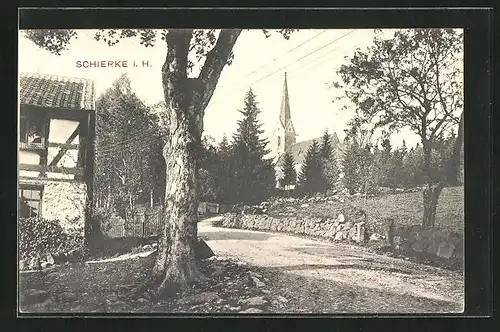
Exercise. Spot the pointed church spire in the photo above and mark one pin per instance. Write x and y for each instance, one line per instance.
(285, 106)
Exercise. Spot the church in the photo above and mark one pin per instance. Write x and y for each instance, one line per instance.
(284, 137)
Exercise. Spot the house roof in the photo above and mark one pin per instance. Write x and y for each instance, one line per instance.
(53, 91)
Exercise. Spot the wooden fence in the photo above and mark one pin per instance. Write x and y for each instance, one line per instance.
(147, 222)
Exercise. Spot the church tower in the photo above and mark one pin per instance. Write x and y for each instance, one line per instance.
(284, 135)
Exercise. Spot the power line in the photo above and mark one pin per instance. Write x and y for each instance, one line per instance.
(280, 56)
(137, 140)
(295, 62)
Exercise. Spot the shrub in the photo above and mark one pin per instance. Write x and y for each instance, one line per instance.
(42, 237)
(100, 220)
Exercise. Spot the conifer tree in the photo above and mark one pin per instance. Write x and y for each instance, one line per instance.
(310, 172)
(253, 175)
(329, 167)
(326, 146)
(288, 170)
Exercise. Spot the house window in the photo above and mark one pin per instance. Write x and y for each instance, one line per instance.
(30, 201)
(31, 131)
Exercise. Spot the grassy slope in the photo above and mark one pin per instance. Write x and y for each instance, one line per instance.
(404, 208)
(407, 208)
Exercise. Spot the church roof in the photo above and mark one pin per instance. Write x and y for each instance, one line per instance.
(299, 149)
(285, 115)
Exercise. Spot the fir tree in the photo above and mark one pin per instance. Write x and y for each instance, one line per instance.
(326, 146)
(310, 172)
(288, 170)
(223, 175)
(253, 175)
(329, 167)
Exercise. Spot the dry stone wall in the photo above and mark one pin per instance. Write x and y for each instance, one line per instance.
(335, 229)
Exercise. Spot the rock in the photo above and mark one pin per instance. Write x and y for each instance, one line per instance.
(432, 247)
(340, 218)
(34, 264)
(199, 298)
(265, 291)
(60, 258)
(67, 296)
(251, 311)
(376, 237)
(281, 299)
(218, 271)
(454, 238)
(254, 274)
(34, 295)
(47, 303)
(50, 259)
(418, 246)
(45, 265)
(338, 236)
(257, 282)
(256, 300)
(234, 308)
(304, 205)
(116, 303)
(202, 250)
(445, 249)
(147, 247)
(154, 245)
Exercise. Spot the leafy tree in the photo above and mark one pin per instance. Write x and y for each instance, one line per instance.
(288, 170)
(126, 160)
(412, 80)
(360, 171)
(254, 176)
(310, 179)
(412, 167)
(182, 121)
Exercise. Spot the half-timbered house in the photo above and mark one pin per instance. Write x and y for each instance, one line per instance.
(56, 132)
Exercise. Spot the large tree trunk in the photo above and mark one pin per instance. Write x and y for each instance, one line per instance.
(175, 266)
(186, 99)
(431, 192)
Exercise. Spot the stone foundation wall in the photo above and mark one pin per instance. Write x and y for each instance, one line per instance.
(341, 228)
(65, 202)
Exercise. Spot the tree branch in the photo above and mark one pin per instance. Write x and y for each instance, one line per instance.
(212, 68)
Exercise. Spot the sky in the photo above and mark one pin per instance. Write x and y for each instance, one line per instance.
(310, 58)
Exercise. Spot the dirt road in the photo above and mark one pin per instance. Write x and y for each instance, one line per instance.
(322, 277)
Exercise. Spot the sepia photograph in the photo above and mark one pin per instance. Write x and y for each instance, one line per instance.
(236, 171)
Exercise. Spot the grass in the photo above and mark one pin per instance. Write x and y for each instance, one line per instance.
(407, 208)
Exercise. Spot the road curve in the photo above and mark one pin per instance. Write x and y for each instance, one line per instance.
(330, 265)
